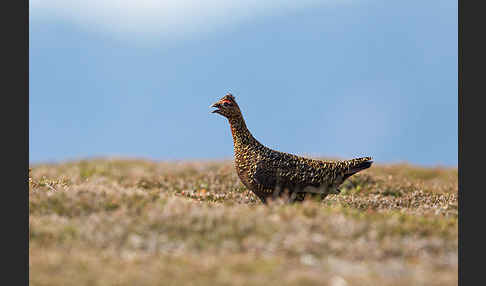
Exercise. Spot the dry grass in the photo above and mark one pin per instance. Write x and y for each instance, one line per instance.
(136, 222)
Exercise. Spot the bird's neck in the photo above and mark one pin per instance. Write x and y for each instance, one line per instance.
(241, 134)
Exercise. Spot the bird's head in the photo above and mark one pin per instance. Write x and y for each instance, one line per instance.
(227, 107)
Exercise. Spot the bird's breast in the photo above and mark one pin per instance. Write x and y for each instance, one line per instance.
(243, 165)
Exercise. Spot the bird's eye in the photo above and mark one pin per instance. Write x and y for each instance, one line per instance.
(226, 103)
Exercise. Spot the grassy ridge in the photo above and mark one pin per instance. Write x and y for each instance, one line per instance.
(136, 222)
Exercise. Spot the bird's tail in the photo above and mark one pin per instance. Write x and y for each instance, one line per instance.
(358, 164)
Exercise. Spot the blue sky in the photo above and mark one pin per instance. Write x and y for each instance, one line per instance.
(320, 78)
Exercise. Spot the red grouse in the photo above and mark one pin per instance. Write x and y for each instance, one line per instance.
(271, 174)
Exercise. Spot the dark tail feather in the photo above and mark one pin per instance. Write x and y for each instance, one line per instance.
(355, 169)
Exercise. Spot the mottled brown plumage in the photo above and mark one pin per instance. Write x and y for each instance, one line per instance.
(270, 174)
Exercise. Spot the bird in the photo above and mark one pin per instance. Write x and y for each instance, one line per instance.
(272, 174)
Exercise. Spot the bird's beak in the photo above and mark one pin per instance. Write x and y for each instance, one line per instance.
(217, 105)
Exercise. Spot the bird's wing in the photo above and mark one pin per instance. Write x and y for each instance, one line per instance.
(266, 175)
(297, 173)
(286, 171)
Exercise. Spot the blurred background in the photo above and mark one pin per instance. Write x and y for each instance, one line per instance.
(328, 78)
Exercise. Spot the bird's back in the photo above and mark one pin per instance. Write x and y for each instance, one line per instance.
(278, 170)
